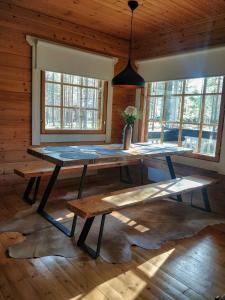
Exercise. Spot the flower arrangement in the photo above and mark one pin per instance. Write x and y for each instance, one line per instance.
(130, 115)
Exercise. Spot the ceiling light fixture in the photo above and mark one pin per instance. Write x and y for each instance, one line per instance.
(129, 78)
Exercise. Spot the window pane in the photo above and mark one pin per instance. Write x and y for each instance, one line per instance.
(154, 132)
(157, 88)
(212, 109)
(175, 87)
(208, 141)
(156, 108)
(172, 108)
(91, 82)
(71, 96)
(92, 119)
(72, 79)
(171, 133)
(192, 109)
(196, 126)
(52, 76)
(190, 135)
(194, 86)
(71, 118)
(52, 94)
(214, 85)
(90, 98)
(52, 118)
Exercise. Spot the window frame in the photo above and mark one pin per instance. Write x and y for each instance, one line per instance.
(143, 124)
(43, 130)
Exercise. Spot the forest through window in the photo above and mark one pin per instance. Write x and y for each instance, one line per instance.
(72, 103)
(186, 113)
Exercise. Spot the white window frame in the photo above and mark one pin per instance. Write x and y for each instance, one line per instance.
(37, 136)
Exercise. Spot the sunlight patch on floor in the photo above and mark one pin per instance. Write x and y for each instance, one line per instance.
(149, 269)
(129, 222)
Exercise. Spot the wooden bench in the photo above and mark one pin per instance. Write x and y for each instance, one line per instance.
(104, 204)
(35, 171)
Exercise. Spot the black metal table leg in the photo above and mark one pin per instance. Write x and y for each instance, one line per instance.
(142, 171)
(172, 174)
(48, 217)
(205, 199)
(44, 201)
(80, 191)
(49, 188)
(84, 233)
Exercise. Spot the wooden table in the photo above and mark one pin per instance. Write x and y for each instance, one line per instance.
(85, 155)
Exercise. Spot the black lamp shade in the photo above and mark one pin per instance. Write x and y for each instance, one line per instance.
(128, 78)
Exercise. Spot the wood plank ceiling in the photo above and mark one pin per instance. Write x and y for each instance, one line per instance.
(155, 21)
(113, 16)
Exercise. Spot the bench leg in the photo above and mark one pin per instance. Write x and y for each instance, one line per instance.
(26, 196)
(83, 236)
(172, 174)
(128, 176)
(205, 199)
(142, 171)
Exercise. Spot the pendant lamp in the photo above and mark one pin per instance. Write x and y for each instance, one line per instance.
(129, 78)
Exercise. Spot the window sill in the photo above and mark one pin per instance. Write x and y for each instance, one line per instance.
(51, 138)
(83, 132)
(203, 157)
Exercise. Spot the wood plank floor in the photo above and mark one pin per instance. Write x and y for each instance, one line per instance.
(192, 268)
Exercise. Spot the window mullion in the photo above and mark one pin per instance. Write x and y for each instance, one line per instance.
(202, 116)
(81, 112)
(181, 115)
(163, 115)
(61, 103)
(101, 93)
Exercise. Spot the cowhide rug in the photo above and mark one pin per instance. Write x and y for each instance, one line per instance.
(147, 226)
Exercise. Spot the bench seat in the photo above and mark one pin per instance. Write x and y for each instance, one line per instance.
(35, 171)
(90, 207)
(107, 203)
(40, 170)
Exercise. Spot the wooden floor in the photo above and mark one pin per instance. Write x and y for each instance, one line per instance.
(192, 268)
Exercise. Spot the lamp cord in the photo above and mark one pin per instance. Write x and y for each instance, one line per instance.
(131, 36)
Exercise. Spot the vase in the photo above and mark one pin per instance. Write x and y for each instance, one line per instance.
(127, 136)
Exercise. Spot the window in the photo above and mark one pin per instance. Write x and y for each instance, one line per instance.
(187, 113)
(72, 104)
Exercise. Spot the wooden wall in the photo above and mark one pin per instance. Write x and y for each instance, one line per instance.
(15, 79)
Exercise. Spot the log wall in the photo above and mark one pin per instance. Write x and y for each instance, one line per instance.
(15, 79)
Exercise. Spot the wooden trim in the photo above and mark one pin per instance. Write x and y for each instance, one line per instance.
(42, 101)
(144, 108)
(188, 95)
(221, 124)
(181, 114)
(69, 131)
(72, 131)
(202, 116)
(104, 103)
(163, 121)
(70, 84)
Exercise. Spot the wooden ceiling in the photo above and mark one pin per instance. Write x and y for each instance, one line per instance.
(156, 22)
(113, 16)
